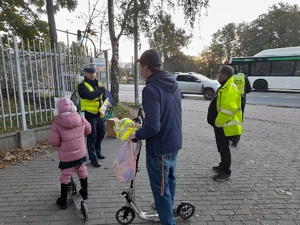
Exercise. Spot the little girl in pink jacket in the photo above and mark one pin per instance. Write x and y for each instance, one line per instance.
(68, 133)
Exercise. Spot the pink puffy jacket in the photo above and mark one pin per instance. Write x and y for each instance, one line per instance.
(67, 132)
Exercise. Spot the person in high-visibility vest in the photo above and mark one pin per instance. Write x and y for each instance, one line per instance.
(92, 96)
(225, 115)
(243, 84)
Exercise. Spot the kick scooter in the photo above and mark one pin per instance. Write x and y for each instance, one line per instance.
(126, 214)
(78, 200)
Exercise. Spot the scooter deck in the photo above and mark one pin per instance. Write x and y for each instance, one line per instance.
(152, 215)
(77, 199)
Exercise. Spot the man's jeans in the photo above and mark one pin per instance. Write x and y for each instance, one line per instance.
(95, 138)
(163, 203)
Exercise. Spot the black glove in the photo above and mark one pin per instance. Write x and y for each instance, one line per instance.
(102, 89)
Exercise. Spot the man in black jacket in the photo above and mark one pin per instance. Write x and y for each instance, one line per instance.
(243, 84)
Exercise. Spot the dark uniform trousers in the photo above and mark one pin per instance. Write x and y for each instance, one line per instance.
(224, 150)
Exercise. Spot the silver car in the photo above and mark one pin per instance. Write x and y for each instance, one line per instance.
(194, 83)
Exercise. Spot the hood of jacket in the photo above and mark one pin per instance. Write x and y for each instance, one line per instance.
(164, 80)
(68, 120)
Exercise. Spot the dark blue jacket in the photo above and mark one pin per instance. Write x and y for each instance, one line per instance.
(161, 100)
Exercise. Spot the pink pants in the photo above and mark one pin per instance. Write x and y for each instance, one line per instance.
(65, 175)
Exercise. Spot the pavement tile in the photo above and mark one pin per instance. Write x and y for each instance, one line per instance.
(264, 187)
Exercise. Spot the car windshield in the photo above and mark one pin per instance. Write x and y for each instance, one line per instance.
(201, 77)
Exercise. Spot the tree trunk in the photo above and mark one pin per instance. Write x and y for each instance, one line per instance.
(51, 23)
(115, 54)
(53, 39)
(115, 71)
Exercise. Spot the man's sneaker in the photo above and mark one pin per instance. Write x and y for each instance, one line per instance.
(222, 177)
(217, 169)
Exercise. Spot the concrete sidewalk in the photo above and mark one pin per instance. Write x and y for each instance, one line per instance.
(263, 189)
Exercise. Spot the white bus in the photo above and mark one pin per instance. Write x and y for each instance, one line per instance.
(277, 68)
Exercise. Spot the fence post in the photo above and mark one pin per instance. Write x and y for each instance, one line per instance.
(19, 81)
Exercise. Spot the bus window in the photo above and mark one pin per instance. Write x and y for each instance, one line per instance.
(263, 68)
(282, 68)
(243, 68)
(253, 69)
(297, 69)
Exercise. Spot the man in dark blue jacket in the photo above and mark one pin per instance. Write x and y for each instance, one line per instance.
(162, 130)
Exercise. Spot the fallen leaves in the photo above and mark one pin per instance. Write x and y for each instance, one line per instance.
(18, 190)
(288, 193)
(19, 155)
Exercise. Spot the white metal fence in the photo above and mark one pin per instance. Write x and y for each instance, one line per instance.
(30, 76)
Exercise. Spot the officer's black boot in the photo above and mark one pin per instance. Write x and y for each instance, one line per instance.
(83, 191)
(62, 200)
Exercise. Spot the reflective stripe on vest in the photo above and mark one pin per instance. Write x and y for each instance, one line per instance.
(239, 80)
(92, 106)
(124, 128)
(232, 123)
(226, 111)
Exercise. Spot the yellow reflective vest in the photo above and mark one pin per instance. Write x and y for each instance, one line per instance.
(239, 80)
(124, 128)
(229, 109)
(94, 105)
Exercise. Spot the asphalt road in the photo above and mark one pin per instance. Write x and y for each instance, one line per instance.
(283, 99)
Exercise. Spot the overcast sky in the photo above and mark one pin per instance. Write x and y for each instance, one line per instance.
(220, 13)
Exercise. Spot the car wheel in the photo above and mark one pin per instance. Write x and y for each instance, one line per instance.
(208, 93)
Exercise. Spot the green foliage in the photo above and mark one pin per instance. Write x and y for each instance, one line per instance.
(125, 110)
(67, 4)
(192, 10)
(180, 63)
(211, 59)
(147, 12)
(23, 18)
(167, 38)
(275, 29)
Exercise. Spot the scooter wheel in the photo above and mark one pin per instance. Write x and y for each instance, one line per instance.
(186, 210)
(84, 211)
(125, 215)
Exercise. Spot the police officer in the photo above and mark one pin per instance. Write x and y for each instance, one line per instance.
(225, 115)
(244, 87)
(92, 96)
